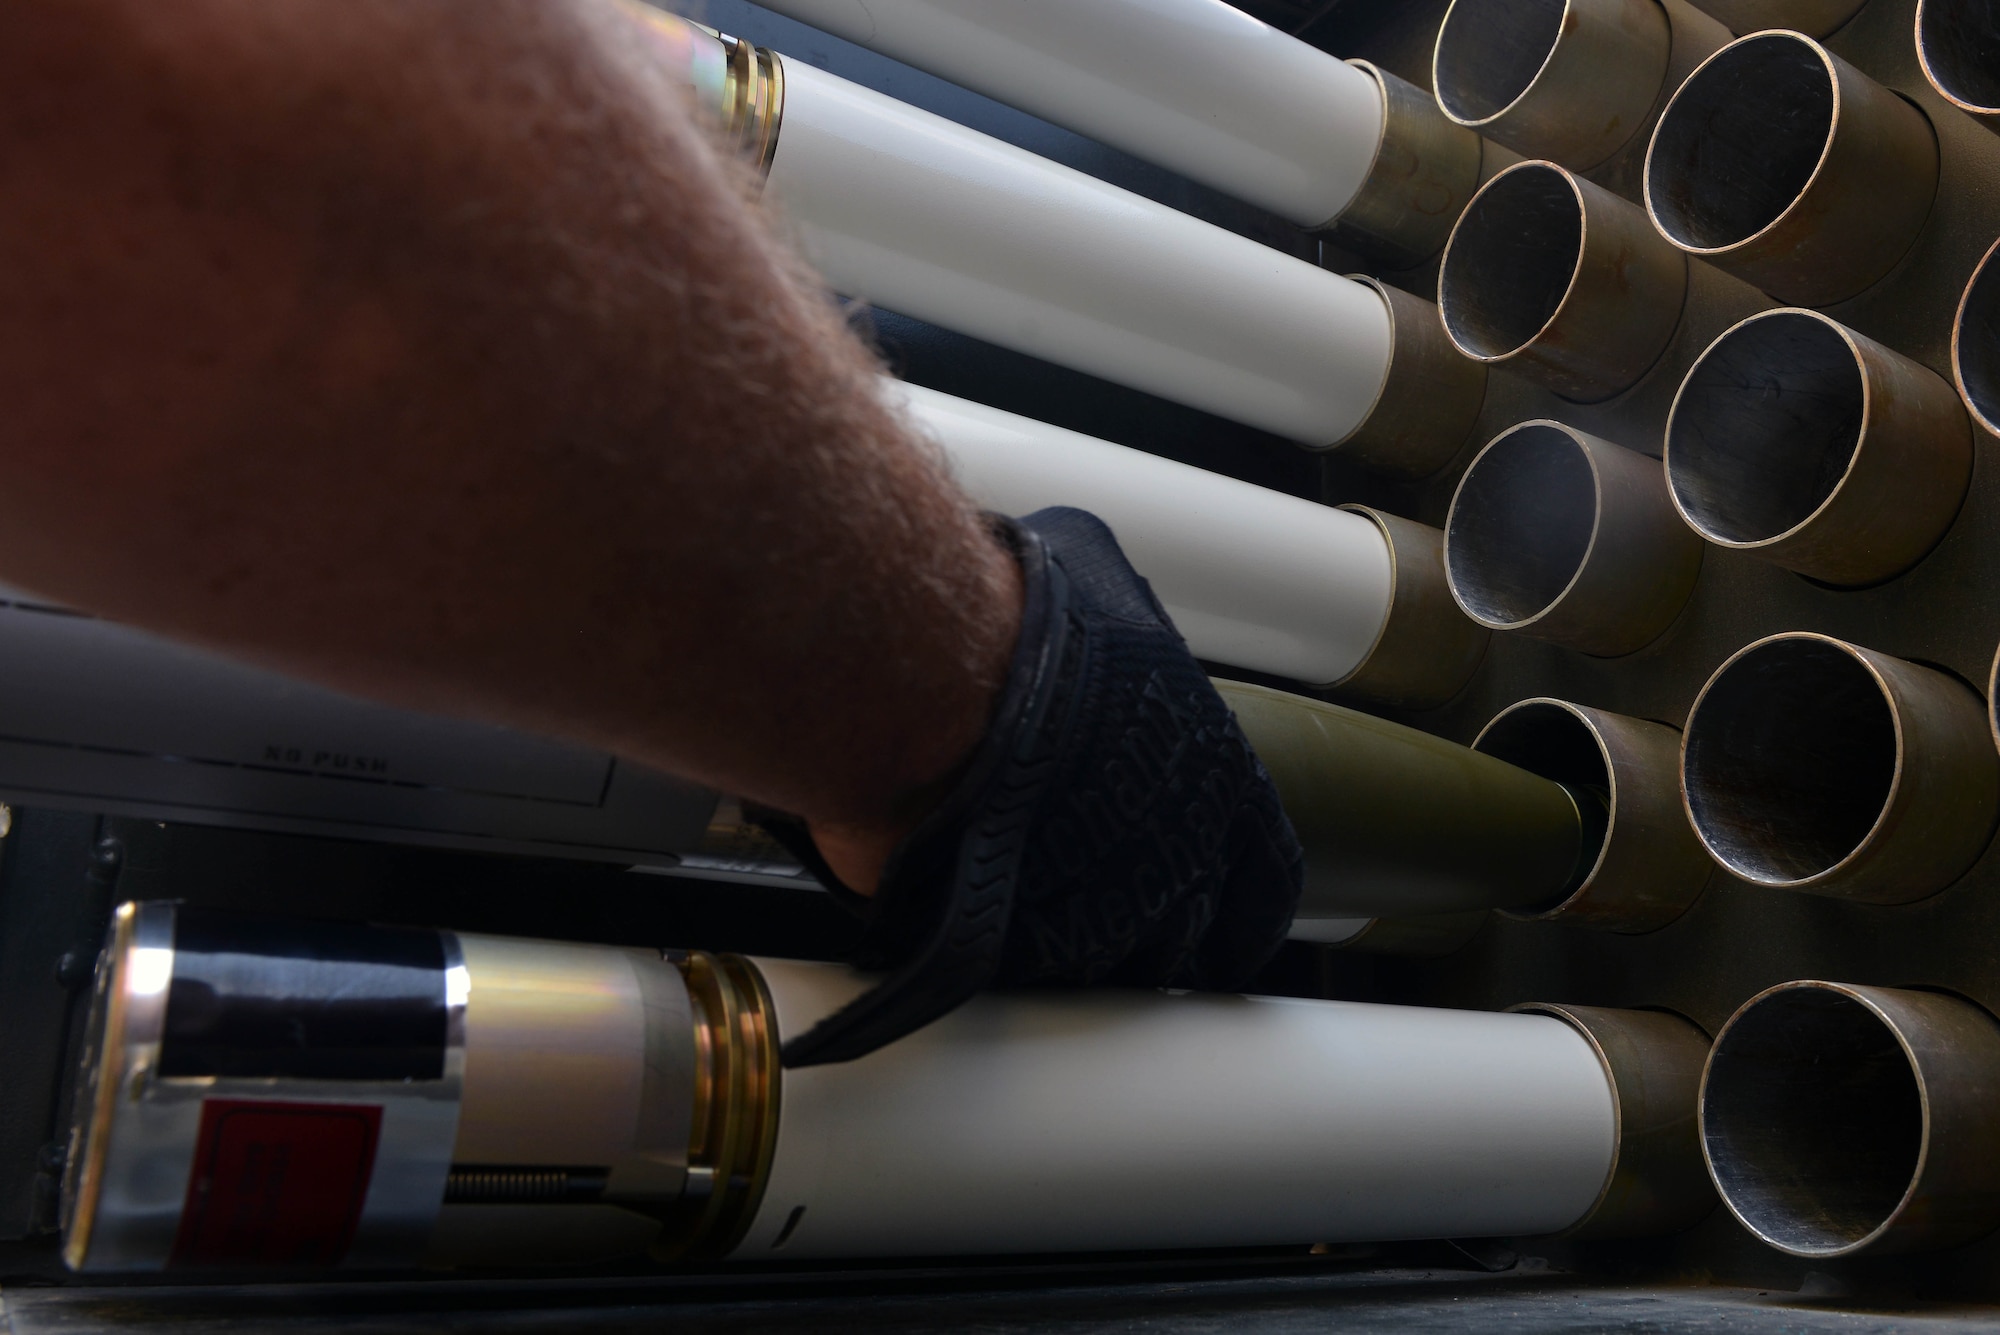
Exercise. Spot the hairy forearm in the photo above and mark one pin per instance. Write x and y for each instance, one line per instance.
(423, 347)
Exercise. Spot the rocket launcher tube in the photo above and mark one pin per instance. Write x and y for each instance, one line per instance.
(1399, 823)
(921, 215)
(1194, 85)
(267, 1093)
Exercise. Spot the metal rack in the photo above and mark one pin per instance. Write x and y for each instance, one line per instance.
(1735, 941)
(1739, 939)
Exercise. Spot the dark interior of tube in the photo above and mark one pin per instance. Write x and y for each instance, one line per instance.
(1489, 51)
(1511, 261)
(1978, 342)
(1550, 741)
(1789, 760)
(1740, 141)
(1960, 41)
(1812, 1119)
(1765, 428)
(1521, 524)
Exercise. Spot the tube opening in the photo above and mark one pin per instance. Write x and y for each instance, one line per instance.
(1549, 740)
(1958, 42)
(1975, 343)
(1511, 261)
(1993, 699)
(1520, 526)
(1790, 759)
(1812, 1119)
(1765, 427)
(1740, 141)
(1489, 52)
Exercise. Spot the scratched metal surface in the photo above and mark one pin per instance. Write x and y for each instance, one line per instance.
(1739, 939)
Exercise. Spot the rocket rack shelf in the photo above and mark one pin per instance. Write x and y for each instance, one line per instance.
(1738, 938)
(61, 872)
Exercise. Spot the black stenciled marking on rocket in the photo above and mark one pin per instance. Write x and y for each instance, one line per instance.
(259, 997)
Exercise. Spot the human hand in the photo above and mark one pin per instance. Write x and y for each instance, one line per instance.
(1114, 824)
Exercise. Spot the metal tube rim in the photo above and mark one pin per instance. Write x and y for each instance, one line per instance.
(1834, 494)
(1589, 549)
(1429, 397)
(1859, 995)
(1390, 216)
(1990, 420)
(1785, 215)
(1437, 82)
(1635, 1156)
(1395, 581)
(749, 107)
(80, 1196)
(1558, 1011)
(1649, 870)
(734, 1131)
(1426, 649)
(1867, 841)
(1374, 73)
(1993, 702)
(1569, 287)
(1931, 76)
(1582, 716)
(1579, 82)
(1381, 291)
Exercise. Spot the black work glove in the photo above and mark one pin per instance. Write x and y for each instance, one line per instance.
(1113, 825)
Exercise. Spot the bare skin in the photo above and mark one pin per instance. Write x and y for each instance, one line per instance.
(426, 349)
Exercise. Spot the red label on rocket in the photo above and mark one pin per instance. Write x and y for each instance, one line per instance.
(277, 1184)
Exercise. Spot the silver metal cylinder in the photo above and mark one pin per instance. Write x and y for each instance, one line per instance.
(1650, 868)
(1566, 537)
(248, 1082)
(1782, 163)
(1839, 1119)
(1975, 342)
(1958, 45)
(552, 1083)
(1579, 82)
(266, 1092)
(1813, 764)
(1804, 443)
(1560, 280)
(275, 1094)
